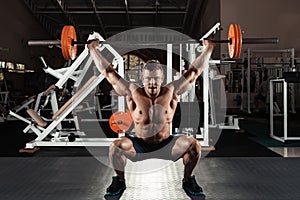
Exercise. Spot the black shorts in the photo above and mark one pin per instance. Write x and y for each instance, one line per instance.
(162, 150)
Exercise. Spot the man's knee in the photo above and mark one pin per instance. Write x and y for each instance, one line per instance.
(195, 147)
(187, 144)
(192, 142)
(193, 152)
(120, 145)
(114, 147)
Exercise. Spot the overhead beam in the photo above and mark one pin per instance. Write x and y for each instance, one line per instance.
(64, 9)
(127, 13)
(187, 11)
(110, 12)
(41, 18)
(118, 8)
(113, 32)
(157, 4)
(200, 8)
(99, 19)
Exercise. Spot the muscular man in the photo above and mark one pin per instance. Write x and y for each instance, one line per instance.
(152, 108)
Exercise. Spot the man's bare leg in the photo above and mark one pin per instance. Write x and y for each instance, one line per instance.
(190, 150)
(119, 151)
(191, 158)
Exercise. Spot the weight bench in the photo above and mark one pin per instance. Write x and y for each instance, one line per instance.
(24, 104)
(40, 128)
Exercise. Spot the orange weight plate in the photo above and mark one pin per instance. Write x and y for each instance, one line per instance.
(120, 122)
(235, 37)
(231, 44)
(235, 41)
(68, 35)
(239, 40)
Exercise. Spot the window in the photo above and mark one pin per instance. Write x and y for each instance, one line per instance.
(133, 66)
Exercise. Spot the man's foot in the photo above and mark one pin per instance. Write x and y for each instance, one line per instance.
(191, 187)
(117, 187)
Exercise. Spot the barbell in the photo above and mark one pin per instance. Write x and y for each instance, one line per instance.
(235, 41)
(68, 41)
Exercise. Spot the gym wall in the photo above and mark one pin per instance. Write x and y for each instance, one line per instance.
(267, 18)
(18, 25)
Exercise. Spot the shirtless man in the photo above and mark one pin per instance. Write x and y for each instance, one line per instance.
(152, 109)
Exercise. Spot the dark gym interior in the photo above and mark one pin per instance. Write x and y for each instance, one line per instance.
(245, 110)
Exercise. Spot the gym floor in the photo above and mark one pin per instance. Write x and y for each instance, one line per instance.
(244, 166)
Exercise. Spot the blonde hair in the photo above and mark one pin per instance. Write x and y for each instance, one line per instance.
(152, 65)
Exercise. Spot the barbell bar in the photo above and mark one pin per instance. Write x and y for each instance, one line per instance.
(68, 41)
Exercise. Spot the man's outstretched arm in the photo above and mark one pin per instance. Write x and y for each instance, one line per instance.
(186, 81)
(120, 85)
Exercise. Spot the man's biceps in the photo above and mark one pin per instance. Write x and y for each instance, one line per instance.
(121, 83)
(177, 88)
(120, 91)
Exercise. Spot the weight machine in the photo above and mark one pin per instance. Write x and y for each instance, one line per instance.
(38, 123)
(276, 70)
